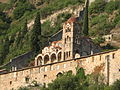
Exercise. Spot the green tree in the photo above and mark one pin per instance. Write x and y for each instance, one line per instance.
(25, 28)
(85, 22)
(36, 35)
(5, 50)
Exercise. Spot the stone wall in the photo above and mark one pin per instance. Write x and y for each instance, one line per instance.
(107, 63)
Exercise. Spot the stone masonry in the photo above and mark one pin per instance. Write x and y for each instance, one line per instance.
(108, 61)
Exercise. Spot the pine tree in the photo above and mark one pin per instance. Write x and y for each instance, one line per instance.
(36, 35)
(85, 22)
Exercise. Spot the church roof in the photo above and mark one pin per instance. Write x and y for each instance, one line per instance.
(72, 19)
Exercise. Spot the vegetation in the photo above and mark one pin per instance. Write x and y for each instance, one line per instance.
(103, 17)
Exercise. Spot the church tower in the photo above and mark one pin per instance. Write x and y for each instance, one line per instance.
(70, 38)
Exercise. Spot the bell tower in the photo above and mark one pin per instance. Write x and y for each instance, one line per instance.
(71, 34)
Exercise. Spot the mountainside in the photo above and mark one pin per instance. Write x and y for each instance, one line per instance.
(4, 1)
(103, 17)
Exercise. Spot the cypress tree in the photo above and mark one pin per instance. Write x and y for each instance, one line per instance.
(25, 29)
(85, 22)
(36, 35)
(5, 50)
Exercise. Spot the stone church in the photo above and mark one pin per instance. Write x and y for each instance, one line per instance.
(71, 45)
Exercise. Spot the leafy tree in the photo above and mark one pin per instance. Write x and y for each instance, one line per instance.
(36, 35)
(85, 22)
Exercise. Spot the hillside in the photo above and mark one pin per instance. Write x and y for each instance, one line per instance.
(103, 17)
(4, 1)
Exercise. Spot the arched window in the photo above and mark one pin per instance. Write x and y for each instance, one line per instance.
(39, 60)
(65, 40)
(67, 54)
(46, 59)
(59, 56)
(53, 57)
(59, 74)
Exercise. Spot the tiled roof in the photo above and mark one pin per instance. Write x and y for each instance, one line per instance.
(72, 19)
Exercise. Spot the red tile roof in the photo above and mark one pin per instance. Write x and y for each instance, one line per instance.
(72, 19)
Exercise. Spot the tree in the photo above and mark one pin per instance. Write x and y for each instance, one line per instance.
(36, 35)
(5, 50)
(25, 29)
(85, 22)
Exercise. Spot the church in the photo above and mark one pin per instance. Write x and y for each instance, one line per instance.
(72, 44)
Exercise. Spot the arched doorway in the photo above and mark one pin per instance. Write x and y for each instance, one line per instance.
(46, 59)
(59, 74)
(53, 57)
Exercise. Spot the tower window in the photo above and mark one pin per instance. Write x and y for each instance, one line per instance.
(68, 30)
(69, 53)
(65, 40)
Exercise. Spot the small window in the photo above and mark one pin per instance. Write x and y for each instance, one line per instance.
(27, 79)
(45, 76)
(113, 55)
(69, 53)
(10, 82)
(65, 40)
